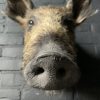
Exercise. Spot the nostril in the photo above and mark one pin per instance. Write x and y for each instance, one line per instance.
(60, 73)
(37, 71)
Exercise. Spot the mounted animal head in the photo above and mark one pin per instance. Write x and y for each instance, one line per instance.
(49, 56)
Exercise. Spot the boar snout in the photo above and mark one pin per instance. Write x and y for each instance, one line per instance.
(52, 69)
(55, 65)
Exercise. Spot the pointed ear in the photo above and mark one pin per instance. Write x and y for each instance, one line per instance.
(80, 10)
(16, 9)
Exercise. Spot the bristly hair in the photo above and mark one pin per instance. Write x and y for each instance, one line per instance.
(80, 10)
(87, 12)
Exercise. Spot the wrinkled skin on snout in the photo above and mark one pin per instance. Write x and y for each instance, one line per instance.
(49, 56)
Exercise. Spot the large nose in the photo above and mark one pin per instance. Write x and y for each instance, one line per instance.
(55, 65)
(52, 68)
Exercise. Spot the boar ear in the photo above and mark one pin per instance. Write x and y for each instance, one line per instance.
(16, 9)
(80, 10)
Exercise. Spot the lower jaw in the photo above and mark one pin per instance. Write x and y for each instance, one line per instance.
(57, 88)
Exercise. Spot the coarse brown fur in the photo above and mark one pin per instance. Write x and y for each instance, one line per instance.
(45, 27)
(48, 22)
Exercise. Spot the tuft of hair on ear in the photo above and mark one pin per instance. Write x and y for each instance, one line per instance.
(80, 10)
(18, 7)
(69, 5)
(86, 12)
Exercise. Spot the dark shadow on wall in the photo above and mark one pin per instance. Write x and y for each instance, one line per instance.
(89, 84)
(90, 68)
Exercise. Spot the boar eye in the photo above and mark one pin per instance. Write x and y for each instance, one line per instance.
(31, 22)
